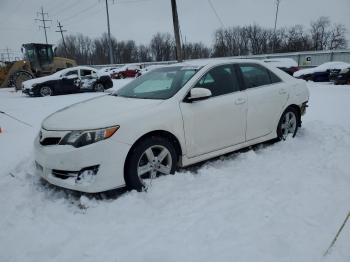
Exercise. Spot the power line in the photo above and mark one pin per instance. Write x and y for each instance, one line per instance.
(65, 7)
(43, 20)
(77, 14)
(216, 13)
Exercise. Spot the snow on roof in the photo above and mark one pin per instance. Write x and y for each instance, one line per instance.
(322, 68)
(214, 61)
(281, 62)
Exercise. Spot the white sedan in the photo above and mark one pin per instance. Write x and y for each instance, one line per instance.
(171, 117)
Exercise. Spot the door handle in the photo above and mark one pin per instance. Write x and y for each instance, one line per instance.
(283, 91)
(239, 101)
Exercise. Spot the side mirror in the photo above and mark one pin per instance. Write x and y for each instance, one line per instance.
(197, 94)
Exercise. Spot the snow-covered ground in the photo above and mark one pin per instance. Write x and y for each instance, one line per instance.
(279, 202)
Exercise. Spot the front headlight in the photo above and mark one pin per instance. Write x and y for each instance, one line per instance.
(87, 137)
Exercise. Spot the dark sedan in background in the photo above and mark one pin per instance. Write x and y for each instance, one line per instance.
(71, 80)
(340, 76)
(321, 73)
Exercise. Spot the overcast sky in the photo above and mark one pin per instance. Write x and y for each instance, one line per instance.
(140, 19)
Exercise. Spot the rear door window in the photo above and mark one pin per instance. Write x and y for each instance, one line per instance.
(73, 72)
(255, 75)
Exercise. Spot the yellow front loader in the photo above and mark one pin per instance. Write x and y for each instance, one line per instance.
(39, 61)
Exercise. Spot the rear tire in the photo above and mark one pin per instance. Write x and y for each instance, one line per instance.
(149, 159)
(99, 87)
(288, 124)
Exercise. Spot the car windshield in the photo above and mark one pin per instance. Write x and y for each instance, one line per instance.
(161, 83)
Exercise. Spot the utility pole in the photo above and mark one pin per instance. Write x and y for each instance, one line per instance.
(274, 29)
(176, 31)
(111, 58)
(277, 7)
(43, 20)
(8, 54)
(61, 31)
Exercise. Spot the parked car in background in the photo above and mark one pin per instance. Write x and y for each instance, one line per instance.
(127, 71)
(67, 81)
(109, 70)
(149, 68)
(320, 73)
(288, 65)
(340, 76)
(171, 117)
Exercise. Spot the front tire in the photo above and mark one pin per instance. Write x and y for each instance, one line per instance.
(149, 159)
(45, 91)
(288, 124)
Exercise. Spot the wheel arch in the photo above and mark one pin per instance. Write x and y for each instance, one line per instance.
(297, 109)
(294, 107)
(157, 133)
(37, 88)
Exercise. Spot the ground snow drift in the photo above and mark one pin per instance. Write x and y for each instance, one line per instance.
(275, 202)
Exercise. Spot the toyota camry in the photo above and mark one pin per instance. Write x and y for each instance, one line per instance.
(171, 117)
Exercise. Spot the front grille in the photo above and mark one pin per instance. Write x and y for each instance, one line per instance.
(49, 141)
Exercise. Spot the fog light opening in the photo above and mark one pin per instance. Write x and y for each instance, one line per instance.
(87, 175)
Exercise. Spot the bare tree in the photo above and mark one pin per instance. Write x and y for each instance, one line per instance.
(195, 51)
(320, 33)
(163, 47)
(144, 54)
(231, 41)
(337, 39)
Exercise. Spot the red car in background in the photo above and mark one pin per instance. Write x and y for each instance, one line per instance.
(127, 71)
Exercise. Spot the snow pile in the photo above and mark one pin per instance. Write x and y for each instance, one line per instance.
(322, 68)
(276, 202)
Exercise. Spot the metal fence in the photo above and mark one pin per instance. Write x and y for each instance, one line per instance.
(310, 58)
(304, 59)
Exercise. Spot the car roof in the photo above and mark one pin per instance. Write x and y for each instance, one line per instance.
(215, 61)
(76, 68)
(82, 67)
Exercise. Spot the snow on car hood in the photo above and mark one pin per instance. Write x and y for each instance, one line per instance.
(322, 68)
(96, 113)
(29, 83)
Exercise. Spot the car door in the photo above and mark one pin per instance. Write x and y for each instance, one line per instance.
(219, 121)
(267, 96)
(70, 82)
(87, 79)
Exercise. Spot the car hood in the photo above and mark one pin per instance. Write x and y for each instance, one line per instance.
(29, 83)
(103, 111)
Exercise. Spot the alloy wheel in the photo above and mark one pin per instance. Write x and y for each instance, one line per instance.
(288, 125)
(155, 161)
(99, 88)
(45, 91)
